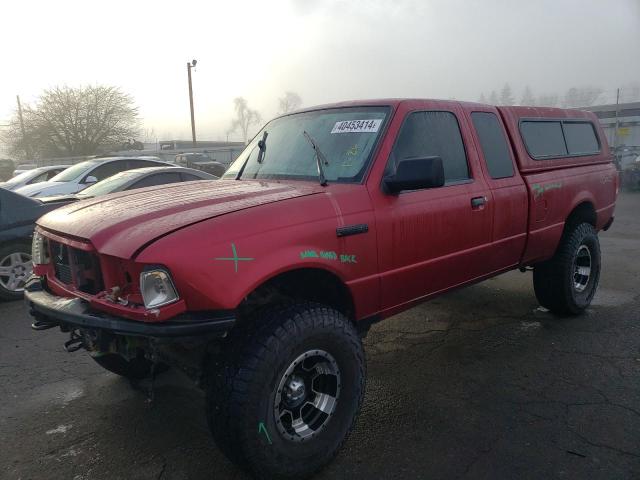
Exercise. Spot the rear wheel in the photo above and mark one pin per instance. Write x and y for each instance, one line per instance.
(287, 390)
(15, 270)
(566, 283)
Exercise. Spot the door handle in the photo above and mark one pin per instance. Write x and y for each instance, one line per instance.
(478, 203)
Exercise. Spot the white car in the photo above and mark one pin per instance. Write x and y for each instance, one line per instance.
(35, 175)
(23, 167)
(81, 175)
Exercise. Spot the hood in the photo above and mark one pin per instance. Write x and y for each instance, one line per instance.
(44, 189)
(120, 224)
(17, 210)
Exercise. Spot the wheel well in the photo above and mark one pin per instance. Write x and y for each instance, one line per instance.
(311, 284)
(582, 213)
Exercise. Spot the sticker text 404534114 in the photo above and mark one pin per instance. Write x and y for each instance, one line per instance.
(357, 126)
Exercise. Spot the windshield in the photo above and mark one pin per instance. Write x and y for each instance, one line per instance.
(19, 178)
(108, 185)
(346, 137)
(73, 172)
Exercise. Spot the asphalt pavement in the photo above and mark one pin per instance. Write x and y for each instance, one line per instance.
(480, 383)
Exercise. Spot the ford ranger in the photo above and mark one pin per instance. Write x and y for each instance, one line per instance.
(262, 284)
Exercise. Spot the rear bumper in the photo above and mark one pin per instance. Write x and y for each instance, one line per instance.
(76, 313)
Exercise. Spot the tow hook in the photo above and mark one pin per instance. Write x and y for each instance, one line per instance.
(74, 343)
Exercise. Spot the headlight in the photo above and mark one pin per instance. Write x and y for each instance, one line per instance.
(157, 288)
(39, 249)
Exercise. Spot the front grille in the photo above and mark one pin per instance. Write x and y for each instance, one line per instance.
(75, 267)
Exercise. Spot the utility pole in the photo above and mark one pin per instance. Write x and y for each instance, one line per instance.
(24, 135)
(193, 122)
(615, 132)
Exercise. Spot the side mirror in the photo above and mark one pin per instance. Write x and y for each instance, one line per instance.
(90, 179)
(414, 174)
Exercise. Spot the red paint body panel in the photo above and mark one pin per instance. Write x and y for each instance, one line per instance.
(221, 240)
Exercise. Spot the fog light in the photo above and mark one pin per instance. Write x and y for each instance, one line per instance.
(157, 288)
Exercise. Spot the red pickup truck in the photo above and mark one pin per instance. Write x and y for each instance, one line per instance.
(260, 285)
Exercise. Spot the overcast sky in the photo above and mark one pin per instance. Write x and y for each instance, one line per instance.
(325, 50)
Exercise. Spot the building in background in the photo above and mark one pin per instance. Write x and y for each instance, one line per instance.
(625, 140)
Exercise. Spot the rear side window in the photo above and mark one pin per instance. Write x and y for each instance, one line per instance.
(581, 138)
(428, 134)
(494, 144)
(156, 179)
(189, 177)
(559, 138)
(543, 139)
(142, 164)
(107, 169)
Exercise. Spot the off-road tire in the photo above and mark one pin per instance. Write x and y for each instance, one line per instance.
(5, 250)
(242, 387)
(553, 280)
(134, 369)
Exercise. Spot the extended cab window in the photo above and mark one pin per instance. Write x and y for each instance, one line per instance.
(494, 144)
(346, 137)
(429, 134)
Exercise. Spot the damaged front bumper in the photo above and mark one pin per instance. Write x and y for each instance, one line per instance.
(75, 313)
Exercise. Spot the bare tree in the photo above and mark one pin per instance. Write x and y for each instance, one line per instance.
(493, 98)
(74, 121)
(506, 98)
(581, 97)
(289, 102)
(482, 98)
(527, 97)
(549, 100)
(245, 118)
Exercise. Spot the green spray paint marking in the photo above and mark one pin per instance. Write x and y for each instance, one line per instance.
(263, 429)
(330, 255)
(235, 258)
(348, 259)
(540, 189)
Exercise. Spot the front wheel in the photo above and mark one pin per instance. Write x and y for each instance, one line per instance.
(15, 270)
(566, 283)
(286, 393)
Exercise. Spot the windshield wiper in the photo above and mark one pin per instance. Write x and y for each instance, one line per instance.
(320, 158)
(262, 145)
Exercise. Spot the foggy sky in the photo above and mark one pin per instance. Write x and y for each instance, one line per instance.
(324, 50)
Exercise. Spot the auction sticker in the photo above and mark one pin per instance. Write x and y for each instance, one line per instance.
(357, 126)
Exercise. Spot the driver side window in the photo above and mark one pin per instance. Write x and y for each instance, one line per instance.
(427, 134)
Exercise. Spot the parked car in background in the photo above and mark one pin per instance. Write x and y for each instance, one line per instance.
(137, 178)
(7, 168)
(23, 167)
(630, 175)
(200, 161)
(35, 175)
(19, 213)
(17, 221)
(81, 175)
